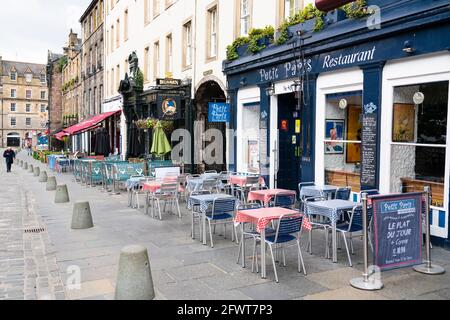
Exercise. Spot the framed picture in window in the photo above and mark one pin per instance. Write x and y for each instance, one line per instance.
(403, 122)
(334, 130)
(353, 150)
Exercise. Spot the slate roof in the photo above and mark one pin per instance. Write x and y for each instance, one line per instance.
(22, 68)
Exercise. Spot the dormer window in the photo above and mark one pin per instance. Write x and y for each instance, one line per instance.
(13, 75)
(43, 78)
(28, 77)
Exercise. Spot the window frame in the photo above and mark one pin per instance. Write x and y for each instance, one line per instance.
(212, 15)
(187, 44)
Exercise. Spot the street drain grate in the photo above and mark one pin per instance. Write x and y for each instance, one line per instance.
(34, 230)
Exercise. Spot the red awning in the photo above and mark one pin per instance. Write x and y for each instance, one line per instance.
(60, 135)
(90, 123)
(328, 5)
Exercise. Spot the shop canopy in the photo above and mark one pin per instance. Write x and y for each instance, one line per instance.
(86, 125)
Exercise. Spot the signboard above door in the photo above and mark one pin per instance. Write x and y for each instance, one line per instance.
(168, 82)
(218, 112)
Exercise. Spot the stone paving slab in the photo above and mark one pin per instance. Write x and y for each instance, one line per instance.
(36, 267)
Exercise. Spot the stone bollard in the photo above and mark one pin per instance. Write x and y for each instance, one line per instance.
(81, 217)
(36, 172)
(134, 279)
(62, 195)
(43, 176)
(30, 168)
(26, 166)
(51, 184)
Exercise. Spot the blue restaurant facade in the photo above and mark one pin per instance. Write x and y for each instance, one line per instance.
(362, 103)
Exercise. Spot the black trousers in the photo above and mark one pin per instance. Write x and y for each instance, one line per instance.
(8, 166)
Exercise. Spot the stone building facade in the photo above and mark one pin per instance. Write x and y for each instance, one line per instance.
(71, 81)
(92, 59)
(54, 79)
(24, 102)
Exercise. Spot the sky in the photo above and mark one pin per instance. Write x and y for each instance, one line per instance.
(29, 28)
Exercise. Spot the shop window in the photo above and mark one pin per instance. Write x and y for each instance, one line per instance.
(250, 137)
(343, 140)
(418, 144)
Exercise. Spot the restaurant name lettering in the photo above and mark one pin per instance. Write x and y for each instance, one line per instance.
(289, 69)
(342, 60)
(317, 64)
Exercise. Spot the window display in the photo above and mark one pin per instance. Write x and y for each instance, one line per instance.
(343, 139)
(419, 127)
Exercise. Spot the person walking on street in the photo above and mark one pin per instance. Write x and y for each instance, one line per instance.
(9, 156)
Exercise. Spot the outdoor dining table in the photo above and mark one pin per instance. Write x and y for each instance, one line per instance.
(241, 180)
(265, 196)
(317, 191)
(260, 218)
(196, 184)
(331, 209)
(155, 185)
(131, 184)
(204, 201)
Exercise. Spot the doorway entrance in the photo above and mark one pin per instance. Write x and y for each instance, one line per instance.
(209, 91)
(13, 140)
(289, 142)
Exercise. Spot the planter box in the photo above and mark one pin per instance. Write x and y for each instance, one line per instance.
(335, 16)
(242, 50)
(306, 26)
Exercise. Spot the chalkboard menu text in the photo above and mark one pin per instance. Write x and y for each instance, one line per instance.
(369, 150)
(397, 230)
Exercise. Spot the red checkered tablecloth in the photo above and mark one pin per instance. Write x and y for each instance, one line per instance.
(266, 195)
(263, 216)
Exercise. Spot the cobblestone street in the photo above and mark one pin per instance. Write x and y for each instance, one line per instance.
(28, 268)
(39, 265)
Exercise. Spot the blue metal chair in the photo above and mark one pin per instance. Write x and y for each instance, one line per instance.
(288, 230)
(285, 200)
(222, 212)
(353, 223)
(343, 193)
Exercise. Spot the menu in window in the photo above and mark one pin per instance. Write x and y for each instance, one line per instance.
(369, 150)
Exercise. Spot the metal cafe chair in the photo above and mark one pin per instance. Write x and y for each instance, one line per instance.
(167, 193)
(352, 224)
(196, 214)
(343, 193)
(316, 222)
(211, 184)
(288, 230)
(222, 212)
(250, 233)
(285, 200)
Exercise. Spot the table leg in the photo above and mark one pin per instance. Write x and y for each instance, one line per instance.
(333, 226)
(146, 203)
(242, 245)
(263, 253)
(204, 228)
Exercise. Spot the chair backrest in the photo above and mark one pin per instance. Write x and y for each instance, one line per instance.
(249, 206)
(343, 193)
(288, 225)
(285, 200)
(200, 192)
(169, 188)
(211, 171)
(221, 206)
(209, 184)
(371, 192)
(355, 220)
(252, 180)
(304, 184)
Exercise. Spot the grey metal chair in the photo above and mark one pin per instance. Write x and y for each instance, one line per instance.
(167, 193)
